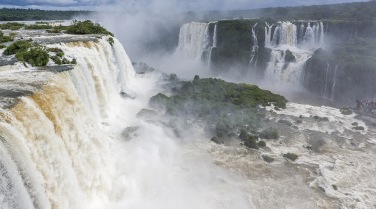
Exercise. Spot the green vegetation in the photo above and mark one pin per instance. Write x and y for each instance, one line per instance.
(87, 27)
(8, 14)
(60, 54)
(36, 56)
(291, 156)
(74, 61)
(11, 26)
(261, 144)
(2, 46)
(111, 41)
(17, 47)
(224, 107)
(56, 59)
(4, 39)
(37, 27)
(270, 133)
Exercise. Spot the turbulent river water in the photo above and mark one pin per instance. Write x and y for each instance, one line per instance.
(63, 145)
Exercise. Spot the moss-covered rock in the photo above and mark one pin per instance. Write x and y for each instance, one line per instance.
(270, 133)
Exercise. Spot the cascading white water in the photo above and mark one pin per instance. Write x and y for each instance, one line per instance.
(254, 47)
(54, 136)
(288, 35)
(215, 35)
(300, 43)
(192, 40)
(334, 82)
(214, 42)
(322, 34)
(268, 31)
(279, 71)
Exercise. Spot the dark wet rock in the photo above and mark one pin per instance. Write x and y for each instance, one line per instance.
(321, 188)
(286, 122)
(267, 159)
(146, 113)
(359, 128)
(7, 61)
(217, 140)
(355, 124)
(142, 68)
(127, 95)
(57, 68)
(291, 156)
(130, 132)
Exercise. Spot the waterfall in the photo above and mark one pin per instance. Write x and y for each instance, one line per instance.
(327, 70)
(268, 31)
(214, 43)
(279, 71)
(254, 47)
(54, 152)
(215, 34)
(276, 36)
(288, 34)
(334, 82)
(321, 34)
(192, 38)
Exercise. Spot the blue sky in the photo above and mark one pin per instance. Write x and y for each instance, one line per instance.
(160, 4)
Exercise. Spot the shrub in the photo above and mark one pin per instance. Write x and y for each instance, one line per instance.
(243, 135)
(2, 46)
(36, 56)
(251, 142)
(37, 27)
(65, 61)
(11, 26)
(16, 47)
(87, 27)
(261, 144)
(60, 54)
(335, 187)
(4, 39)
(74, 61)
(270, 133)
(56, 59)
(111, 41)
(291, 156)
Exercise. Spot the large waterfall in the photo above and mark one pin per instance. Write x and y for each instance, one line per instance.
(193, 40)
(54, 153)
